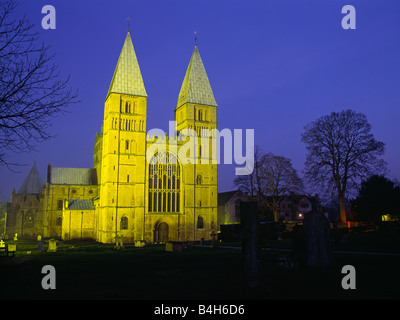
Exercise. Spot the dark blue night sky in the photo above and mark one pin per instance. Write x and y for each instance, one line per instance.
(273, 66)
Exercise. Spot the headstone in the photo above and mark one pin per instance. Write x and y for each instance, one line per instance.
(2, 246)
(40, 246)
(249, 222)
(52, 245)
(11, 249)
(140, 243)
(317, 230)
(299, 245)
(173, 246)
(119, 242)
(16, 237)
(39, 238)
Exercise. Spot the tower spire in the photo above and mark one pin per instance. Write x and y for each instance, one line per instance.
(196, 86)
(127, 77)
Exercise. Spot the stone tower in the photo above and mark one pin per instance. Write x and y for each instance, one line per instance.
(196, 110)
(123, 150)
(140, 197)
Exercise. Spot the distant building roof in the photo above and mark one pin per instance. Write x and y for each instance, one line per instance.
(224, 197)
(33, 182)
(80, 204)
(72, 176)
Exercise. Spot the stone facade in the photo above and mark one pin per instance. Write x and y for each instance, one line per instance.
(139, 187)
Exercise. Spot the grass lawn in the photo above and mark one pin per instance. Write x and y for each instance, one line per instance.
(87, 270)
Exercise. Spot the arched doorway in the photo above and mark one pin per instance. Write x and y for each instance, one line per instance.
(162, 232)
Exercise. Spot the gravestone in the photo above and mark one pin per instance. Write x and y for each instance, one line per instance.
(299, 245)
(140, 243)
(40, 246)
(250, 249)
(52, 245)
(11, 249)
(119, 242)
(2, 246)
(171, 246)
(16, 237)
(317, 231)
(39, 238)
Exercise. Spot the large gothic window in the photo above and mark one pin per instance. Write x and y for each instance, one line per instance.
(164, 183)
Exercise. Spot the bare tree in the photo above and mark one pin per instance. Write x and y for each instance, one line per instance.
(341, 151)
(278, 180)
(250, 184)
(31, 93)
(272, 179)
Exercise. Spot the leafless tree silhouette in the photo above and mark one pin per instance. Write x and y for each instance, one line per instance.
(341, 152)
(31, 92)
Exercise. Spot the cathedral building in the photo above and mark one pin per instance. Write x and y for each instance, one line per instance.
(140, 186)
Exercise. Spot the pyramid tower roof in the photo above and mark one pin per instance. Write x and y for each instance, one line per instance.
(127, 78)
(33, 182)
(196, 87)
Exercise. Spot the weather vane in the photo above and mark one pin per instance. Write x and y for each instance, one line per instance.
(129, 24)
(195, 38)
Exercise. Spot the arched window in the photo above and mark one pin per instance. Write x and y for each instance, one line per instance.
(127, 144)
(150, 200)
(164, 187)
(200, 222)
(60, 205)
(198, 179)
(127, 107)
(124, 223)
